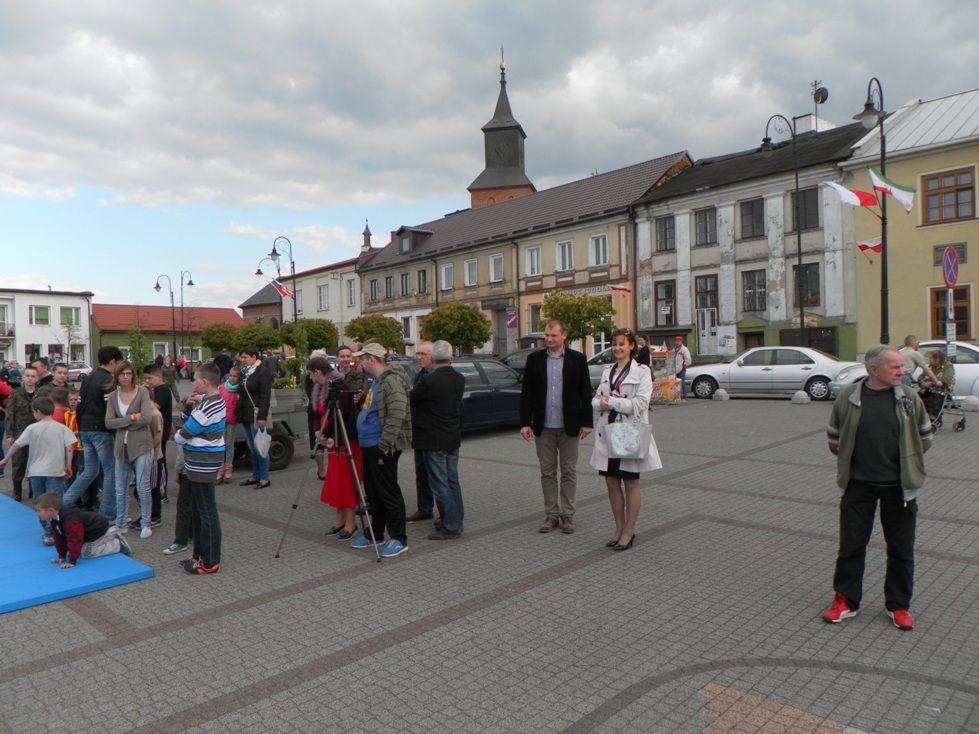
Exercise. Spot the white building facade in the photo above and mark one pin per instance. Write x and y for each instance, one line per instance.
(53, 324)
(330, 292)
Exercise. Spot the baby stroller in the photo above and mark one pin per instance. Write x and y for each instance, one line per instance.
(939, 404)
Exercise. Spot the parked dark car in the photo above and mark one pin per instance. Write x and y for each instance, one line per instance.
(518, 360)
(492, 394)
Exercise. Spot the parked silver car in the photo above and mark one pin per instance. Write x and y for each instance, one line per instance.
(768, 371)
(966, 369)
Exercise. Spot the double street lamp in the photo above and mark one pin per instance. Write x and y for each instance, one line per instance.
(274, 257)
(766, 144)
(189, 283)
(871, 115)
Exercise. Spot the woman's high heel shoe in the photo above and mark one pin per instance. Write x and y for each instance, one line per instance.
(627, 546)
(612, 543)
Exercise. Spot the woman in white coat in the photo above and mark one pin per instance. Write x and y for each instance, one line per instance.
(625, 390)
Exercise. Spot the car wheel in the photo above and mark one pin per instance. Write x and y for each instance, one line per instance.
(281, 451)
(704, 387)
(818, 388)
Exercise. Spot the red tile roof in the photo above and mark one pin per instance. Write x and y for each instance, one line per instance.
(120, 317)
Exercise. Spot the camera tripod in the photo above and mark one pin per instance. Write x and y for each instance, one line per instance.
(341, 445)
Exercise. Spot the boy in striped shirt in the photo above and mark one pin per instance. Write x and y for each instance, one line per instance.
(202, 439)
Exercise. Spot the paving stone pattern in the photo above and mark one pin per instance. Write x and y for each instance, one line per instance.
(711, 623)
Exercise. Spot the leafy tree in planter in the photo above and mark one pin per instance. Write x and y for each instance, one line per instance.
(583, 315)
(320, 334)
(218, 337)
(383, 328)
(259, 336)
(462, 326)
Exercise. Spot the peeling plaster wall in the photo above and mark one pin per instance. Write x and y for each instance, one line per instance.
(684, 291)
(774, 227)
(833, 257)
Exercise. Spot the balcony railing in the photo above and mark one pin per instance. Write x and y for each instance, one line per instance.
(6, 329)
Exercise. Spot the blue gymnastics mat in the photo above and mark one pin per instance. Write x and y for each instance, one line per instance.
(27, 576)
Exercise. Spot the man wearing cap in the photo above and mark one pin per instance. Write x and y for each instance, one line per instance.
(384, 431)
(681, 360)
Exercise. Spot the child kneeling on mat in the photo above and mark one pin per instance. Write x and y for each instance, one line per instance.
(78, 533)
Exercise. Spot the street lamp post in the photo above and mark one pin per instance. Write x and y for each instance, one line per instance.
(173, 311)
(766, 144)
(274, 256)
(190, 283)
(870, 116)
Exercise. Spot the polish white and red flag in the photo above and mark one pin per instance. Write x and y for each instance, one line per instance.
(874, 244)
(853, 197)
(283, 291)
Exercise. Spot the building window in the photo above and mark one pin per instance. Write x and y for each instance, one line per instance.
(753, 285)
(808, 209)
(496, 268)
(352, 292)
(809, 285)
(373, 293)
(533, 261)
(598, 250)
(422, 282)
(447, 277)
(752, 219)
(299, 301)
(31, 352)
(406, 326)
(705, 223)
(405, 244)
(565, 256)
(600, 342)
(389, 286)
(961, 310)
(665, 234)
(323, 295)
(160, 349)
(70, 316)
(706, 288)
(665, 302)
(938, 253)
(950, 196)
(535, 317)
(469, 272)
(405, 285)
(40, 315)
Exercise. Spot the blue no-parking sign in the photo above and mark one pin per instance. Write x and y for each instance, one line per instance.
(950, 266)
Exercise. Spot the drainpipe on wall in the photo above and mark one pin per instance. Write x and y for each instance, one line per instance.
(633, 255)
(516, 279)
(91, 346)
(436, 284)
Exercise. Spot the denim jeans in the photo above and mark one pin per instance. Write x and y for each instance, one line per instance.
(141, 465)
(97, 447)
(260, 464)
(443, 477)
(682, 377)
(40, 485)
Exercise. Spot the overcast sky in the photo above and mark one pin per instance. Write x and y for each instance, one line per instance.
(141, 138)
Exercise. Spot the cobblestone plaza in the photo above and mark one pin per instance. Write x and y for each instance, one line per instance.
(711, 623)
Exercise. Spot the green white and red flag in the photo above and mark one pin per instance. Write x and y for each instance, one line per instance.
(853, 197)
(904, 195)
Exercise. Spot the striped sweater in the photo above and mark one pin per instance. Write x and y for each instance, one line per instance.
(202, 439)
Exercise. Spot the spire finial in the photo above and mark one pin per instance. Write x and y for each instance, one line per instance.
(502, 67)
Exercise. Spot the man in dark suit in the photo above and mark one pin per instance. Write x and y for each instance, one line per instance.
(555, 408)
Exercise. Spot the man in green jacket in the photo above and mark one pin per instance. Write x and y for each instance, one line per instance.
(20, 414)
(879, 431)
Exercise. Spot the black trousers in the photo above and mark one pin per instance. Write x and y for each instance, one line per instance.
(857, 510)
(384, 493)
(18, 467)
(426, 501)
(183, 524)
(206, 526)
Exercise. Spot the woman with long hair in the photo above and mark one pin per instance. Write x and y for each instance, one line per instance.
(252, 411)
(229, 390)
(625, 391)
(129, 411)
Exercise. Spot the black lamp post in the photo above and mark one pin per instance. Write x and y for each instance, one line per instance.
(274, 257)
(766, 144)
(874, 115)
(173, 311)
(190, 283)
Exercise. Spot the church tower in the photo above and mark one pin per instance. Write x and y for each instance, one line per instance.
(503, 177)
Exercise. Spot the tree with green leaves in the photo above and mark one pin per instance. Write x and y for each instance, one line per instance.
(462, 326)
(219, 337)
(260, 336)
(582, 315)
(386, 330)
(320, 334)
(139, 354)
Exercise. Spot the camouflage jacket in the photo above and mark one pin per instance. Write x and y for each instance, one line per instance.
(20, 412)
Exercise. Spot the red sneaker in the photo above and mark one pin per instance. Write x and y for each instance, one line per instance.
(902, 619)
(838, 610)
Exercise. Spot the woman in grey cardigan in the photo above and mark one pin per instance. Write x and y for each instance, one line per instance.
(128, 412)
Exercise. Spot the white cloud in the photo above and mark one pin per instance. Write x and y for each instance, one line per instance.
(37, 282)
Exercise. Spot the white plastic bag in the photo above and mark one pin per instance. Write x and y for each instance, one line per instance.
(262, 442)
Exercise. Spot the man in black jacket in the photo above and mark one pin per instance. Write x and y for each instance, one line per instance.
(97, 441)
(423, 489)
(555, 408)
(436, 399)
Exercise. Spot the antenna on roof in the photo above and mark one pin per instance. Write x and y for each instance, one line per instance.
(819, 96)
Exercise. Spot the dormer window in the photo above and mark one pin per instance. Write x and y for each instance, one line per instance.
(405, 244)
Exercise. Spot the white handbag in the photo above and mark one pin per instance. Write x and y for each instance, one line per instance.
(628, 439)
